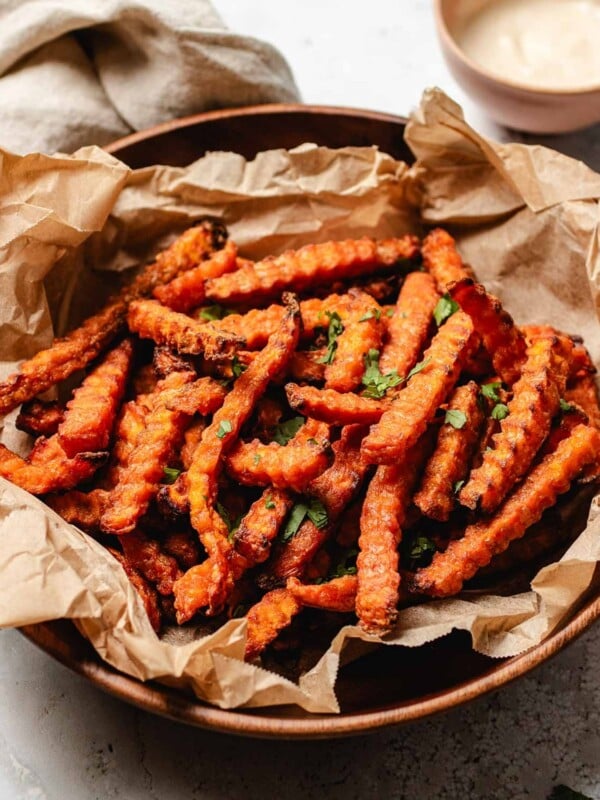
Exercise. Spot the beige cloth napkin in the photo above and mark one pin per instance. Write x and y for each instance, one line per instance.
(78, 72)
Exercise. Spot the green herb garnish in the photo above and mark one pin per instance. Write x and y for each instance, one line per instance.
(490, 390)
(499, 411)
(565, 407)
(458, 486)
(270, 504)
(171, 474)
(285, 431)
(373, 313)
(334, 329)
(457, 419)
(346, 564)
(375, 382)
(313, 509)
(216, 311)
(232, 524)
(224, 428)
(417, 368)
(417, 550)
(237, 367)
(445, 308)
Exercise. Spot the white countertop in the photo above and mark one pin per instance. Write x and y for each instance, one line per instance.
(61, 739)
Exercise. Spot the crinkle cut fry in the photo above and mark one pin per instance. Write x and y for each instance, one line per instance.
(178, 332)
(267, 618)
(203, 396)
(335, 408)
(338, 594)
(186, 291)
(415, 406)
(583, 391)
(130, 423)
(260, 525)
(155, 444)
(82, 345)
(535, 402)
(83, 509)
(335, 488)
(363, 331)
(383, 514)
(211, 585)
(410, 324)
(291, 466)
(501, 337)
(450, 460)
(486, 538)
(442, 260)
(149, 559)
(147, 593)
(40, 418)
(311, 265)
(90, 413)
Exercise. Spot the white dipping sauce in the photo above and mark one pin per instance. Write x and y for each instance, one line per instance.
(552, 44)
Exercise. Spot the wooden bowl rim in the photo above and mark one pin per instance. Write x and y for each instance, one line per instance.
(180, 707)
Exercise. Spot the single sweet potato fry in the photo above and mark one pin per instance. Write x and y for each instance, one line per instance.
(83, 509)
(203, 397)
(535, 402)
(147, 593)
(486, 538)
(191, 439)
(414, 407)
(267, 618)
(333, 407)
(450, 460)
(39, 418)
(501, 337)
(338, 594)
(260, 525)
(149, 559)
(442, 260)
(311, 265)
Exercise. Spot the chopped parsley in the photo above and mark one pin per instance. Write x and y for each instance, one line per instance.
(285, 431)
(418, 550)
(232, 524)
(390, 312)
(458, 486)
(334, 329)
(490, 390)
(346, 565)
(313, 509)
(457, 419)
(257, 457)
(375, 382)
(445, 307)
(216, 311)
(565, 407)
(417, 368)
(373, 313)
(270, 504)
(171, 474)
(499, 411)
(224, 428)
(237, 367)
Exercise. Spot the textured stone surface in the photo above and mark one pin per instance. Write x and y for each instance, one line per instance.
(60, 739)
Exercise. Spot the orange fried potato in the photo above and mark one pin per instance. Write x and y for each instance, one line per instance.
(203, 397)
(363, 331)
(501, 337)
(147, 593)
(82, 345)
(383, 515)
(154, 446)
(165, 361)
(269, 413)
(442, 260)
(415, 406)
(90, 414)
(173, 499)
(267, 618)
(131, 421)
(410, 324)
(307, 366)
(39, 418)
(202, 476)
(260, 525)
(284, 467)
(450, 460)
(149, 559)
(83, 509)
(191, 440)
(184, 546)
(143, 380)
(486, 538)
(583, 391)
(334, 407)
(310, 266)
(338, 594)
(150, 320)
(186, 291)
(535, 402)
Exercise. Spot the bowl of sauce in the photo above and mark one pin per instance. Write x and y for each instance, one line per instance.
(533, 65)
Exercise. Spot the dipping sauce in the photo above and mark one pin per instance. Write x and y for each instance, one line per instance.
(550, 44)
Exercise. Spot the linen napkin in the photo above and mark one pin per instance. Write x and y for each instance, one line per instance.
(78, 72)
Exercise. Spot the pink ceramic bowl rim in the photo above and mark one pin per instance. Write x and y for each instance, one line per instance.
(452, 44)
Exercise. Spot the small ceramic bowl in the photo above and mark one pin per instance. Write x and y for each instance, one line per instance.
(515, 105)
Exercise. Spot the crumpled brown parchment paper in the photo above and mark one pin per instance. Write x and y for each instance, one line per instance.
(525, 217)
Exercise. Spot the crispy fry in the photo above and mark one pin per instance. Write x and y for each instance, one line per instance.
(442, 260)
(338, 594)
(269, 413)
(147, 593)
(173, 499)
(150, 320)
(130, 423)
(165, 361)
(203, 397)
(583, 391)
(91, 412)
(363, 331)
(501, 337)
(486, 538)
(82, 345)
(450, 460)
(191, 439)
(39, 418)
(186, 291)
(535, 402)
(154, 445)
(202, 476)
(184, 546)
(334, 407)
(307, 366)
(143, 380)
(147, 557)
(268, 618)
(311, 265)
(260, 525)
(291, 466)
(83, 509)
(410, 324)
(415, 406)
(383, 516)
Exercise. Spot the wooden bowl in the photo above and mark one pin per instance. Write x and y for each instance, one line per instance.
(392, 685)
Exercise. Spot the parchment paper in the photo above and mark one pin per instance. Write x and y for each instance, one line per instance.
(525, 217)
